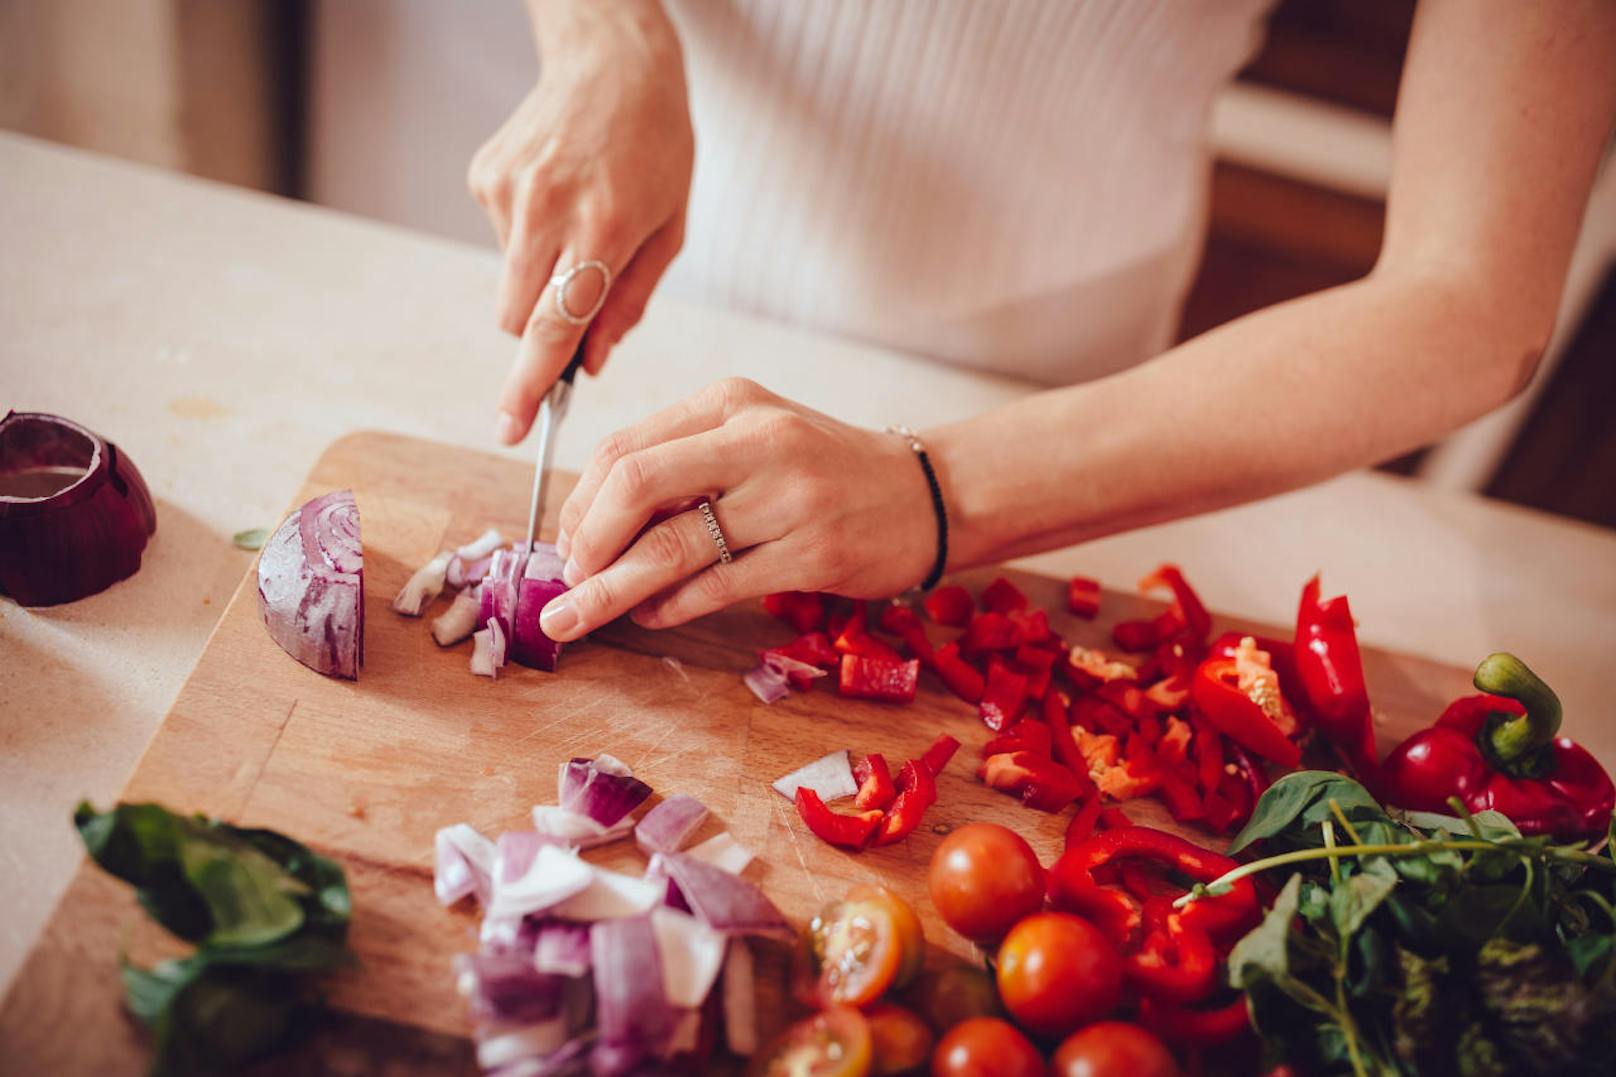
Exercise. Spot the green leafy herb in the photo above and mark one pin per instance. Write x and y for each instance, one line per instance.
(263, 910)
(251, 539)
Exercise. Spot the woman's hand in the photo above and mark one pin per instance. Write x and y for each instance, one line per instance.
(594, 164)
(805, 503)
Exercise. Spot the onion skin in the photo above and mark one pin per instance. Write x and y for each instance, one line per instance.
(311, 586)
(80, 540)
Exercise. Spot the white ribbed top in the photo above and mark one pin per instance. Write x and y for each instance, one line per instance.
(1017, 185)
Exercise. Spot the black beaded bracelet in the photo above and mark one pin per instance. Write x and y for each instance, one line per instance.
(936, 504)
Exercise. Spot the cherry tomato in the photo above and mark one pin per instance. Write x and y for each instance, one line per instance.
(958, 993)
(900, 1040)
(1058, 972)
(863, 945)
(1114, 1049)
(983, 878)
(835, 1043)
(986, 1047)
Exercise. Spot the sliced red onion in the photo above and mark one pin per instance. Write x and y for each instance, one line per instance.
(465, 864)
(767, 683)
(831, 776)
(569, 1060)
(578, 831)
(514, 851)
(424, 585)
(541, 581)
(311, 586)
(723, 851)
(499, 590)
(553, 876)
(667, 827)
(463, 573)
(724, 901)
(504, 1045)
(562, 948)
(602, 788)
(506, 987)
(480, 547)
(74, 512)
(691, 954)
(459, 620)
(740, 999)
(632, 1012)
(610, 895)
(488, 651)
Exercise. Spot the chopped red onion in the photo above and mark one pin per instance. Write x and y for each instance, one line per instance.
(691, 953)
(667, 827)
(578, 831)
(488, 650)
(480, 547)
(465, 864)
(503, 986)
(609, 896)
(723, 851)
(740, 999)
(504, 1045)
(553, 876)
(499, 590)
(459, 620)
(767, 683)
(311, 586)
(831, 776)
(632, 1011)
(541, 581)
(422, 587)
(74, 512)
(562, 948)
(724, 901)
(514, 851)
(602, 788)
(569, 1060)
(463, 573)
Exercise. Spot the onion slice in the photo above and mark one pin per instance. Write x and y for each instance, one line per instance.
(723, 901)
(488, 651)
(610, 895)
(311, 586)
(465, 864)
(480, 547)
(75, 513)
(667, 827)
(602, 788)
(578, 831)
(553, 876)
(831, 776)
(506, 987)
(723, 851)
(767, 683)
(562, 948)
(691, 954)
(634, 1018)
(424, 585)
(458, 621)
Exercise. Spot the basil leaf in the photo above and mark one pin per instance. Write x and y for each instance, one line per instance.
(148, 992)
(1420, 1029)
(1356, 897)
(1264, 949)
(332, 906)
(139, 843)
(250, 898)
(1296, 803)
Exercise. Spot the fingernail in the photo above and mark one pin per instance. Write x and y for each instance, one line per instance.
(563, 544)
(507, 428)
(558, 619)
(572, 573)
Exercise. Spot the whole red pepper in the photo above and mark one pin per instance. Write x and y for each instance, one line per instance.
(1501, 751)
(1330, 669)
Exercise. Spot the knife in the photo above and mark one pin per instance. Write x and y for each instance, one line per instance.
(552, 409)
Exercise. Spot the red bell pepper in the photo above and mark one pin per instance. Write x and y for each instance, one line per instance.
(1178, 792)
(1185, 620)
(1128, 698)
(1062, 744)
(1083, 597)
(1114, 819)
(1038, 663)
(1174, 963)
(1041, 782)
(917, 791)
(1003, 697)
(1090, 668)
(847, 831)
(1002, 596)
(1208, 755)
(1096, 714)
(1330, 669)
(802, 610)
(950, 606)
(1025, 737)
(962, 678)
(1241, 699)
(898, 618)
(1501, 751)
(887, 680)
(1083, 823)
(813, 649)
(875, 783)
(1031, 626)
(1192, 1027)
(941, 751)
(989, 632)
(1174, 745)
(1169, 694)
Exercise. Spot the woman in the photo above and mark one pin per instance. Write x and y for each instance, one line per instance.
(1016, 186)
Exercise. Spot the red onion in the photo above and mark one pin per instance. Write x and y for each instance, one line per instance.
(578, 831)
(457, 622)
(553, 876)
(423, 586)
(723, 851)
(74, 512)
(632, 1010)
(465, 863)
(724, 901)
(541, 581)
(602, 788)
(562, 948)
(667, 827)
(691, 954)
(311, 586)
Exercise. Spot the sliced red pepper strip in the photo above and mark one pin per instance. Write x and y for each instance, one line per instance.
(962, 678)
(1095, 714)
(1208, 755)
(1039, 781)
(1127, 697)
(1136, 637)
(1114, 819)
(802, 610)
(941, 751)
(917, 791)
(1179, 794)
(867, 646)
(1232, 712)
(1149, 727)
(875, 783)
(1174, 746)
(989, 632)
(1187, 1027)
(1031, 626)
(814, 648)
(1063, 746)
(1330, 668)
(1083, 823)
(886, 680)
(1187, 607)
(1083, 597)
(1090, 668)
(1003, 697)
(898, 618)
(950, 606)
(1002, 596)
(847, 831)
(1176, 962)
(1025, 737)
(1169, 695)
(1038, 664)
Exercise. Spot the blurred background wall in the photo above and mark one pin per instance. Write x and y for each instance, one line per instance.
(375, 107)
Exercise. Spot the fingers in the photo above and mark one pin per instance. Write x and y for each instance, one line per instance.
(660, 559)
(637, 485)
(626, 305)
(490, 184)
(530, 258)
(757, 572)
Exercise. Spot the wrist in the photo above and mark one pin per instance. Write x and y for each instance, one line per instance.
(572, 26)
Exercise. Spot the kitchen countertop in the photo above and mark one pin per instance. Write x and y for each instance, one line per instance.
(223, 338)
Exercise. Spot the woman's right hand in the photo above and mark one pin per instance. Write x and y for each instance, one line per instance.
(593, 165)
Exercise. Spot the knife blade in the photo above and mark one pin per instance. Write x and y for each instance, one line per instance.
(552, 409)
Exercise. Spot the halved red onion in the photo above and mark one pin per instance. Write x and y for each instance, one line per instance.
(831, 776)
(541, 581)
(691, 954)
(723, 851)
(667, 827)
(562, 948)
(74, 512)
(311, 586)
(602, 788)
(740, 999)
(465, 864)
(424, 585)
(724, 901)
(632, 1012)
(459, 620)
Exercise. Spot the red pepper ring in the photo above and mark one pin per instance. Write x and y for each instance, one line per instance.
(1176, 963)
(846, 831)
(1072, 886)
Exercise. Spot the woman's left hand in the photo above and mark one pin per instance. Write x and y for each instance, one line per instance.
(805, 503)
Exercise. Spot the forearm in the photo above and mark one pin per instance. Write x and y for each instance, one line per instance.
(1273, 401)
(564, 24)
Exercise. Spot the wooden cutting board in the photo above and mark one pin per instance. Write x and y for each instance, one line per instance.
(368, 771)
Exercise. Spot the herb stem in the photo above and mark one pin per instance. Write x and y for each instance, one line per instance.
(1341, 817)
(1328, 831)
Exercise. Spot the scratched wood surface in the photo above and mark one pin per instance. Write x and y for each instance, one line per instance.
(368, 771)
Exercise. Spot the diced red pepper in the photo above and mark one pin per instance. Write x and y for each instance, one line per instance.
(989, 632)
(1170, 694)
(1114, 819)
(1178, 792)
(1025, 737)
(1137, 637)
(1062, 744)
(1243, 714)
(814, 648)
(1032, 626)
(847, 831)
(917, 791)
(1002, 596)
(1208, 756)
(1040, 782)
(1174, 746)
(941, 751)
(1127, 697)
(1083, 597)
(898, 618)
(950, 606)
(1003, 697)
(1220, 812)
(1149, 727)
(802, 610)
(867, 646)
(1187, 606)
(1096, 714)
(1038, 664)
(1090, 668)
(1083, 823)
(875, 783)
(887, 680)
(962, 678)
